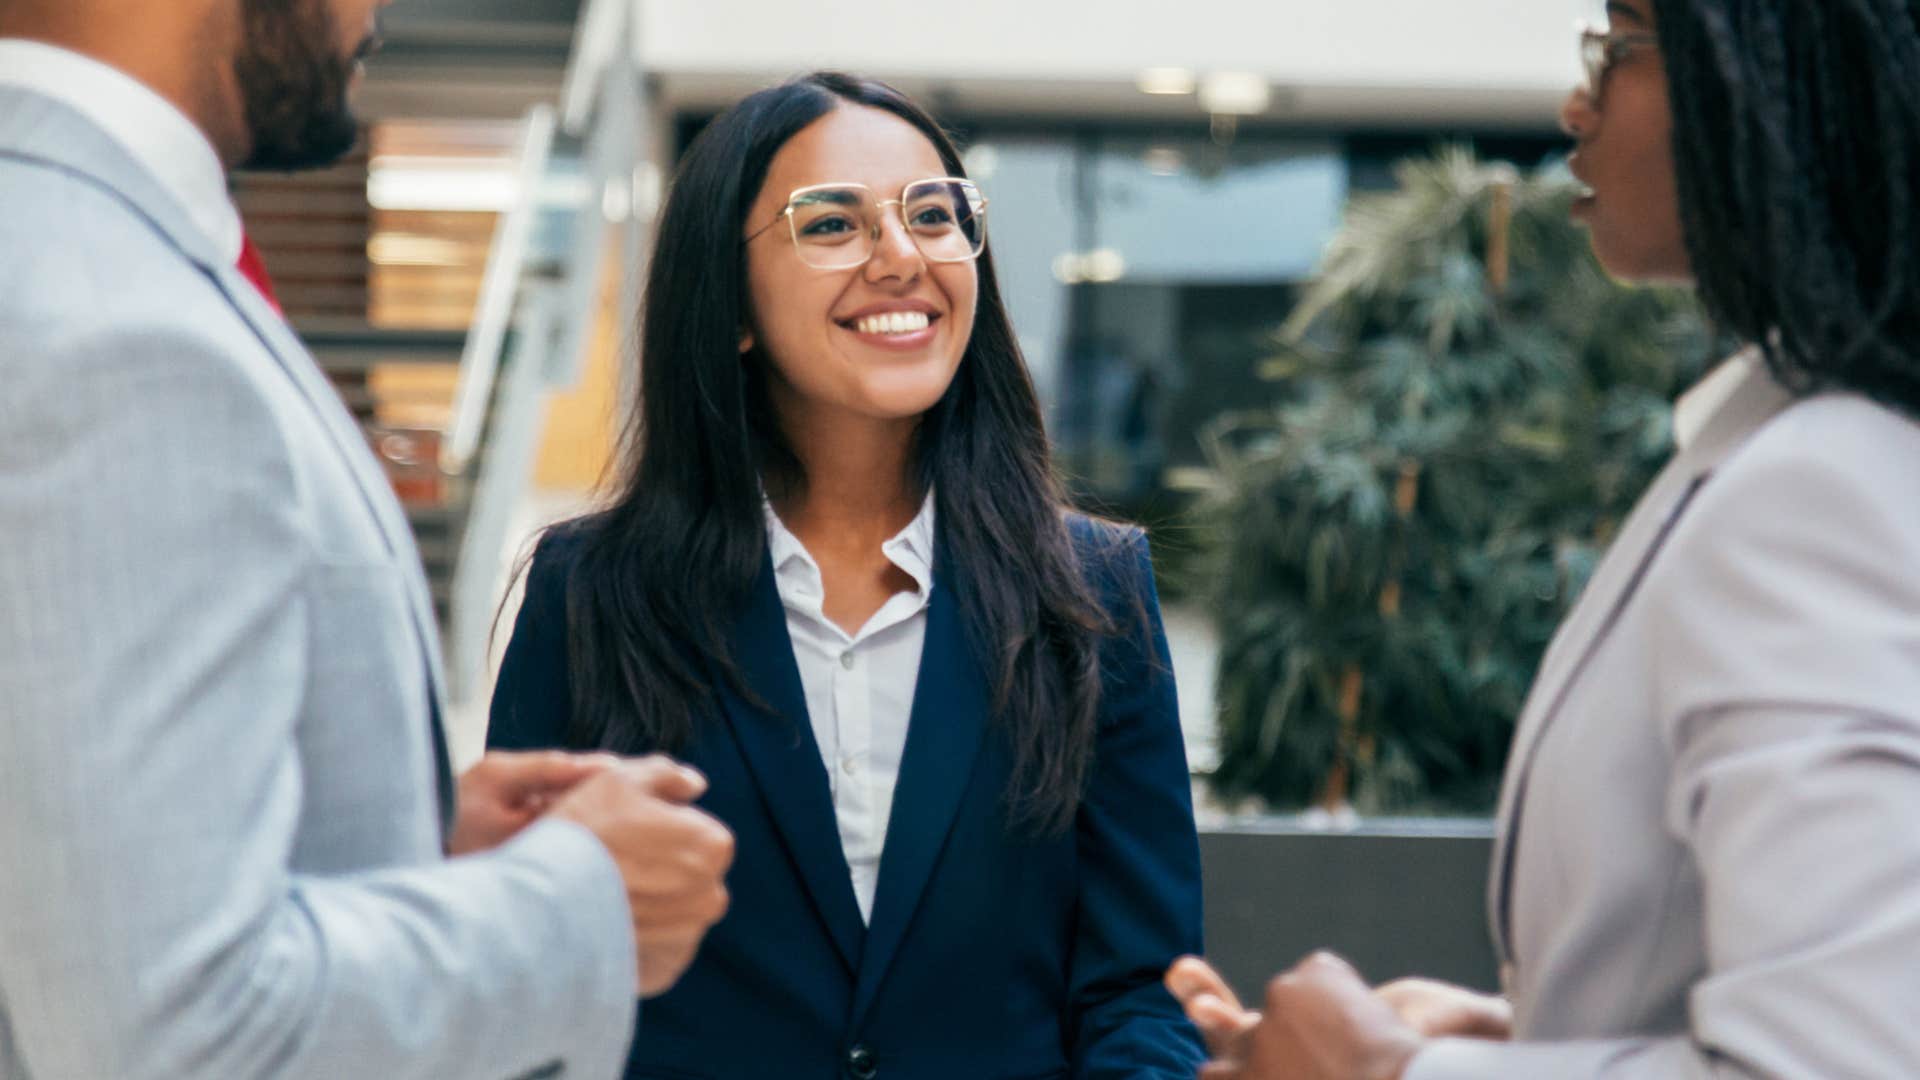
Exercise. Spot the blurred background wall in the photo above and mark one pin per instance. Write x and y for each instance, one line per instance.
(1163, 179)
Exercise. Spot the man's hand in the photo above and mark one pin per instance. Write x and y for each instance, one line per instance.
(1321, 1022)
(1441, 1010)
(504, 792)
(1210, 1003)
(672, 856)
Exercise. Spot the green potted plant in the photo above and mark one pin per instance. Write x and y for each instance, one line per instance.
(1476, 406)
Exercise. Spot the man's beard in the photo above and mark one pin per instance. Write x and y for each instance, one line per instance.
(293, 88)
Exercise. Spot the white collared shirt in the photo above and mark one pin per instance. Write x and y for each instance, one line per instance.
(859, 687)
(158, 135)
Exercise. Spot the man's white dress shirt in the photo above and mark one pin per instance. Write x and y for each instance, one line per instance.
(158, 135)
(859, 686)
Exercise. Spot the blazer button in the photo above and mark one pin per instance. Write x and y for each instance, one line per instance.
(861, 1064)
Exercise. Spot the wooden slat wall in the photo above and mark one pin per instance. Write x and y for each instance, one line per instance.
(312, 229)
(428, 263)
(438, 290)
(336, 260)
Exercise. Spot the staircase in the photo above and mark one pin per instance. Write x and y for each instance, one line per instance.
(455, 414)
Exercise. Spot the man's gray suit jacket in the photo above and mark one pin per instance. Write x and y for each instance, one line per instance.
(222, 798)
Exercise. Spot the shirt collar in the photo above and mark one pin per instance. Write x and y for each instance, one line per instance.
(1697, 408)
(158, 136)
(910, 549)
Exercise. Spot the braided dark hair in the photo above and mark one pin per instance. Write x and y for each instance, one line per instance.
(1797, 153)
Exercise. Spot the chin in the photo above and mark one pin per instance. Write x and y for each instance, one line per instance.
(902, 395)
(1639, 265)
(1625, 254)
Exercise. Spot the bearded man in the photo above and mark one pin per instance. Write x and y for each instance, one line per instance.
(230, 843)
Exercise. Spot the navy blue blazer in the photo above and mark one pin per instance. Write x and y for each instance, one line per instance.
(991, 954)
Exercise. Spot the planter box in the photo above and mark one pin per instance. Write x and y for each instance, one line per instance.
(1395, 897)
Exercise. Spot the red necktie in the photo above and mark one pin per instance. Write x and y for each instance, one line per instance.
(254, 269)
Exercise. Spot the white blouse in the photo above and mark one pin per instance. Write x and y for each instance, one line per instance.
(859, 687)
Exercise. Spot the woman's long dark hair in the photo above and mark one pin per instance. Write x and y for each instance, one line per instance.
(1797, 151)
(662, 571)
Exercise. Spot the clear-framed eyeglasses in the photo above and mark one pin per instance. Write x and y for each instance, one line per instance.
(1601, 49)
(838, 226)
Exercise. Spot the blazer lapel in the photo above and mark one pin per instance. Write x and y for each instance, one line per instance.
(1586, 626)
(777, 742)
(1752, 403)
(376, 492)
(944, 734)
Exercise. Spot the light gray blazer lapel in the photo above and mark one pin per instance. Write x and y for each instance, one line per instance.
(1752, 404)
(38, 128)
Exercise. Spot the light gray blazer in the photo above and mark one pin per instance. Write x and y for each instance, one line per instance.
(220, 838)
(1708, 861)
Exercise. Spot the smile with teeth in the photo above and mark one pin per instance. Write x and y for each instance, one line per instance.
(893, 322)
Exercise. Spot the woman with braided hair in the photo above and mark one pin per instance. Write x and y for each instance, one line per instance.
(1706, 863)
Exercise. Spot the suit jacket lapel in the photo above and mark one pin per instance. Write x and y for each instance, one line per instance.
(376, 491)
(37, 127)
(944, 734)
(1586, 626)
(1646, 531)
(777, 742)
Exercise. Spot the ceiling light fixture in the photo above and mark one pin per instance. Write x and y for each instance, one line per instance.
(1165, 81)
(1235, 93)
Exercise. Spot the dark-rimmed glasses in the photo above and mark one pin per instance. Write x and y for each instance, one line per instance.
(1601, 49)
(837, 226)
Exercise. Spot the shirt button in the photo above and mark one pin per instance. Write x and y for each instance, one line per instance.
(846, 660)
(849, 766)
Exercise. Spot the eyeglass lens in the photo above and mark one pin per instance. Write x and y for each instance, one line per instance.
(838, 227)
(1595, 56)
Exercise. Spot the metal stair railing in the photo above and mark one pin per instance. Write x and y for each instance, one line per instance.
(539, 301)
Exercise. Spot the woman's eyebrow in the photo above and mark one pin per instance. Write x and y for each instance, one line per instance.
(1618, 11)
(837, 196)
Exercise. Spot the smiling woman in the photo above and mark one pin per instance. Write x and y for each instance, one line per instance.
(837, 575)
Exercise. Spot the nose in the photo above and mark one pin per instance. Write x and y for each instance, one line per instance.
(1578, 116)
(895, 255)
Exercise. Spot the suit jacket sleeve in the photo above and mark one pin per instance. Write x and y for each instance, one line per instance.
(154, 647)
(1788, 672)
(1139, 857)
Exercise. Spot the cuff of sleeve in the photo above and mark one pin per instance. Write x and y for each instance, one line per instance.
(598, 932)
(1453, 1059)
(1482, 1059)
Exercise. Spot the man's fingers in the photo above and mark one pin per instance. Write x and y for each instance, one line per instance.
(542, 773)
(664, 778)
(1438, 1009)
